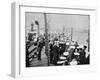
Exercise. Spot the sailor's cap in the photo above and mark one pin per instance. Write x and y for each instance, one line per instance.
(60, 62)
(76, 53)
(67, 43)
(66, 53)
(78, 47)
(62, 57)
(73, 47)
(35, 39)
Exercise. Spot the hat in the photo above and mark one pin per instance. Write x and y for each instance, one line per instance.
(67, 43)
(35, 39)
(73, 47)
(60, 62)
(76, 53)
(78, 47)
(66, 53)
(62, 57)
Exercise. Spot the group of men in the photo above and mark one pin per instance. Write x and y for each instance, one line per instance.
(58, 51)
(34, 48)
(69, 51)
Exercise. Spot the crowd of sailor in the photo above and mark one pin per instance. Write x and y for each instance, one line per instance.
(60, 52)
(68, 53)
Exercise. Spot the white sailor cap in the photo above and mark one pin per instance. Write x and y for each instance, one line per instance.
(78, 47)
(35, 39)
(60, 62)
(76, 53)
(67, 43)
(62, 57)
(73, 47)
(66, 53)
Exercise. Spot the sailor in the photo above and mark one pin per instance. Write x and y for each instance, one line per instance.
(71, 53)
(82, 54)
(62, 46)
(76, 55)
(51, 51)
(67, 46)
(40, 46)
(56, 52)
(76, 44)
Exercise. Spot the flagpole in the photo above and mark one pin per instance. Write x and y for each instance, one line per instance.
(46, 40)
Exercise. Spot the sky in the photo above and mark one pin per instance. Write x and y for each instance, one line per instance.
(56, 22)
(77, 22)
